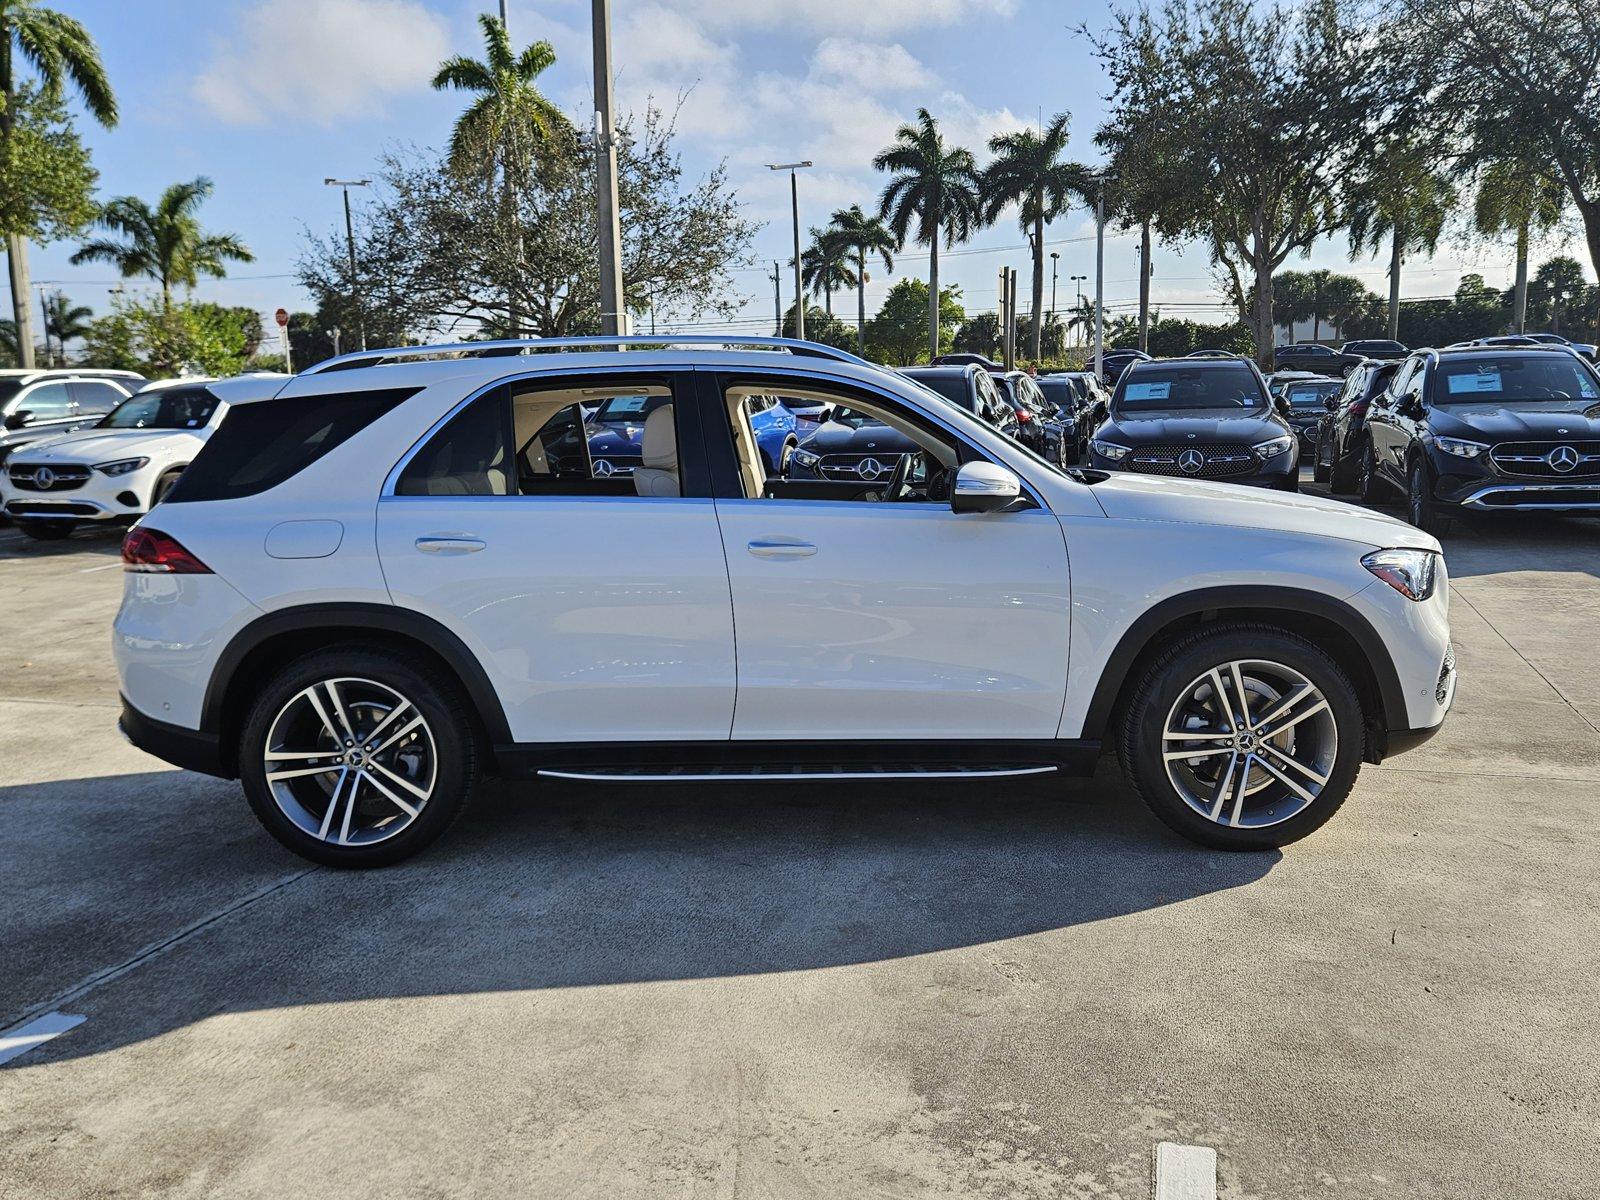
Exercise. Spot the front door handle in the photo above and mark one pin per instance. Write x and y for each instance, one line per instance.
(450, 543)
(781, 548)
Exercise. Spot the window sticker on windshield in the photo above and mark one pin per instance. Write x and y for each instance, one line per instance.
(1148, 391)
(1485, 379)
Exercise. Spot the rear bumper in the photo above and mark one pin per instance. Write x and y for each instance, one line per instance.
(191, 749)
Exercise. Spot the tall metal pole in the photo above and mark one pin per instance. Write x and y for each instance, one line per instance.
(777, 299)
(794, 203)
(350, 248)
(1055, 262)
(1100, 281)
(44, 308)
(611, 302)
(505, 22)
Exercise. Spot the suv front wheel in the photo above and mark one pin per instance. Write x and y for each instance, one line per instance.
(354, 757)
(1243, 737)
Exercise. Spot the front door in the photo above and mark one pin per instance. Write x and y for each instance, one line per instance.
(891, 618)
(561, 527)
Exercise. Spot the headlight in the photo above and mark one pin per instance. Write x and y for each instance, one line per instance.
(1457, 446)
(1273, 447)
(1409, 572)
(806, 459)
(1110, 450)
(121, 467)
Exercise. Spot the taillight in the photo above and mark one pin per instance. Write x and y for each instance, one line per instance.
(1024, 416)
(153, 552)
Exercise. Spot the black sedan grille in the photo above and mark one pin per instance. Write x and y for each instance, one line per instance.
(869, 468)
(1194, 460)
(29, 477)
(1548, 460)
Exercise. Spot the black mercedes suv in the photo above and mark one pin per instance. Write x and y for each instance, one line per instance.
(1198, 418)
(1486, 428)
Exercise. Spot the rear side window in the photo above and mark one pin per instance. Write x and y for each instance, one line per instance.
(258, 446)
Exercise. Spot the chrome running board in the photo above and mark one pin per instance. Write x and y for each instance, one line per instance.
(745, 773)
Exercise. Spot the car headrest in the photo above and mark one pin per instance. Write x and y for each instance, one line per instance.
(660, 444)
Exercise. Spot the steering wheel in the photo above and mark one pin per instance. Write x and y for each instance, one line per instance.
(899, 485)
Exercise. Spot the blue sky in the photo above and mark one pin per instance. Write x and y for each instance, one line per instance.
(268, 97)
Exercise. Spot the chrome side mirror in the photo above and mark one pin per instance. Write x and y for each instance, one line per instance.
(983, 487)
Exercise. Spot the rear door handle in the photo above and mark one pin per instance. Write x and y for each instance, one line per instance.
(781, 548)
(450, 543)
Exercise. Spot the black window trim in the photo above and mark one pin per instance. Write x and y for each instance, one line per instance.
(693, 474)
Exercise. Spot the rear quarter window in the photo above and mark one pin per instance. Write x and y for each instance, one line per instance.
(259, 446)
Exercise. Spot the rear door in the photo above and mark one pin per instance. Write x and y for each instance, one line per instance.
(885, 619)
(599, 613)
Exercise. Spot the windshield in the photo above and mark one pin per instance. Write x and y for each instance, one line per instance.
(949, 387)
(1507, 379)
(1311, 395)
(1160, 389)
(176, 409)
(8, 389)
(1375, 348)
(627, 410)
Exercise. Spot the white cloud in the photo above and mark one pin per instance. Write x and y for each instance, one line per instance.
(870, 66)
(321, 60)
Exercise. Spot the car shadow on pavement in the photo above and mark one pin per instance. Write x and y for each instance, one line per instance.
(569, 886)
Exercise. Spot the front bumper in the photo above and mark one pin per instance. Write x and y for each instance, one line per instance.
(98, 498)
(191, 749)
(1281, 471)
(1530, 497)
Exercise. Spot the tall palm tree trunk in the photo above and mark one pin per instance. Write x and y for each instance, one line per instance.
(21, 311)
(1396, 255)
(1519, 320)
(1144, 287)
(1036, 322)
(933, 295)
(861, 299)
(827, 302)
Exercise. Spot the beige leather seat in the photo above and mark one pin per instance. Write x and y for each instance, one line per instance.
(658, 476)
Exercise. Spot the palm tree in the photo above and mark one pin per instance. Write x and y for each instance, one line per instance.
(60, 50)
(64, 321)
(1028, 171)
(866, 236)
(938, 187)
(1517, 197)
(164, 243)
(825, 267)
(1405, 211)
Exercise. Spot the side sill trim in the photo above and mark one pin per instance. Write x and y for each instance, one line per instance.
(820, 776)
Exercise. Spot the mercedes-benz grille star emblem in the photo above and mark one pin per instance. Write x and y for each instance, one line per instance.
(1190, 462)
(603, 468)
(869, 468)
(1562, 458)
(44, 477)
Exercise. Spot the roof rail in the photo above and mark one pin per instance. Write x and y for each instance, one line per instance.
(515, 346)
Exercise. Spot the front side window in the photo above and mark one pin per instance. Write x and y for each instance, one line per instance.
(1155, 389)
(168, 408)
(93, 396)
(46, 402)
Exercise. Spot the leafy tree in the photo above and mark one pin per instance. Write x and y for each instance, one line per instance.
(1557, 284)
(45, 178)
(821, 326)
(897, 335)
(1520, 82)
(430, 249)
(1521, 198)
(1174, 337)
(65, 322)
(825, 268)
(1028, 170)
(979, 334)
(937, 187)
(1266, 110)
(168, 339)
(1342, 301)
(164, 243)
(1401, 204)
(868, 237)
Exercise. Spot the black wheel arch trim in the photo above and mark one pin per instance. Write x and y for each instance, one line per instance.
(363, 618)
(1260, 597)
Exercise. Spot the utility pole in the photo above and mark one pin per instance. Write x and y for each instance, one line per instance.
(611, 302)
(1055, 262)
(1144, 287)
(777, 299)
(505, 22)
(350, 247)
(794, 202)
(1100, 280)
(1011, 318)
(44, 308)
(1078, 280)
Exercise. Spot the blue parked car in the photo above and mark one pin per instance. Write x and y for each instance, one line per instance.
(614, 430)
(775, 427)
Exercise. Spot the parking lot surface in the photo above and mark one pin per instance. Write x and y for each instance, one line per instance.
(1007, 990)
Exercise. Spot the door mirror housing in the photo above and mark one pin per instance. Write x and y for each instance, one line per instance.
(983, 487)
(17, 419)
(1331, 403)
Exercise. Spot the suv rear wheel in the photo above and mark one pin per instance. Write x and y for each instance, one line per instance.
(353, 757)
(1243, 737)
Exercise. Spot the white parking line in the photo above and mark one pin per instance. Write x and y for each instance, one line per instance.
(92, 570)
(22, 1038)
(1185, 1172)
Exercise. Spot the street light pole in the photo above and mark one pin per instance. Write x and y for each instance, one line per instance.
(777, 299)
(611, 301)
(350, 247)
(794, 201)
(1078, 280)
(1100, 280)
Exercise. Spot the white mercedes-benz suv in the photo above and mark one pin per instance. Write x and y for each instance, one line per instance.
(399, 572)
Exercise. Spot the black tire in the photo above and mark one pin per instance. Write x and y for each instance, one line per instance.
(1164, 682)
(1368, 484)
(46, 531)
(1422, 510)
(437, 698)
(164, 485)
